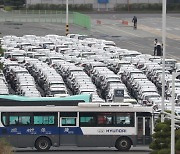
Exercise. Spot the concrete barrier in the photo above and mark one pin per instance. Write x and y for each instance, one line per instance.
(98, 22)
(124, 22)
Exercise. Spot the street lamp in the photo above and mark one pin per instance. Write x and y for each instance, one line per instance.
(67, 17)
(164, 55)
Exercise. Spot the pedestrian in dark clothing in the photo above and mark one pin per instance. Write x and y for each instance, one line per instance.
(155, 44)
(159, 49)
(134, 20)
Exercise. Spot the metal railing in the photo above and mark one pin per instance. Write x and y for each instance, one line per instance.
(51, 16)
(43, 16)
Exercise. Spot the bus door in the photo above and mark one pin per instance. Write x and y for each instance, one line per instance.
(69, 128)
(143, 130)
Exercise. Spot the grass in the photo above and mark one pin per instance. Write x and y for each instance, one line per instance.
(5, 147)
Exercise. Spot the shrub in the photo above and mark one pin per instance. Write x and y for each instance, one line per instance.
(161, 137)
(5, 147)
(146, 7)
(154, 152)
(8, 8)
(178, 144)
(164, 151)
(72, 7)
(177, 134)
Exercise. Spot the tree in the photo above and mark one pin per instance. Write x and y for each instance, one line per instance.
(161, 143)
(16, 3)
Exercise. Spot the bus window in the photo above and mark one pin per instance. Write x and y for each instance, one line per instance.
(104, 119)
(13, 120)
(87, 119)
(68, 121)
(24, 120)
(19, 120)
(125, 119)
(44, 120)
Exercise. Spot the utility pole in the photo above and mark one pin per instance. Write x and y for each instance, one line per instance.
(164, 55)
(128, 5)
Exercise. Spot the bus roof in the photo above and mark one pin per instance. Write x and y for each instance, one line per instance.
(14, 100)
(93, 108)
(24, 98)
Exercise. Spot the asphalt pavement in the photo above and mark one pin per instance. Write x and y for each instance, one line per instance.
(111, 28)
(75, 150)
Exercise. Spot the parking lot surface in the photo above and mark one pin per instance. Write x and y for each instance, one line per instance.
(111, 28)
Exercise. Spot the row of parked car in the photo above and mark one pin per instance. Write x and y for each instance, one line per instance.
(20, 79)
(47, 78)
(3, 84)
(89, 65)
(76, 79)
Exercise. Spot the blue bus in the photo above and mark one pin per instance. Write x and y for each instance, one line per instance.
(119, 125)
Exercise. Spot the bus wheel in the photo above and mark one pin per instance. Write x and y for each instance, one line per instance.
(123, 144)
(43, 144)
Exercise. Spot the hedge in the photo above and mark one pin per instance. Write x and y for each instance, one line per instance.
(146, 7)
(83, 7)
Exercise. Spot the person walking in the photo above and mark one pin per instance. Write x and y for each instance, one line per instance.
(157, 48)
(155, 44)
(134, 20)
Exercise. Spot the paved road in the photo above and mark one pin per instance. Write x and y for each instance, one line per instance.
(71, 150)
(149, 28)
(111, 28)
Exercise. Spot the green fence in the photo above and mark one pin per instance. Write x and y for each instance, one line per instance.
(82, 20)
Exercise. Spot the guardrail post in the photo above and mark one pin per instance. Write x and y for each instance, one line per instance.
(39, 15)
(45, 15)
(26, 15)
(19, 16)
(56, 16)
(51, 15)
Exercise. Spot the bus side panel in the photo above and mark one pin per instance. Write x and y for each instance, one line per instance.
(104, 136)
(29, 140)
(27, 136)
(99, 140)
(94, 141)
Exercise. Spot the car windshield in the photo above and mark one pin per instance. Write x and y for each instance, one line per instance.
(53, 92)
